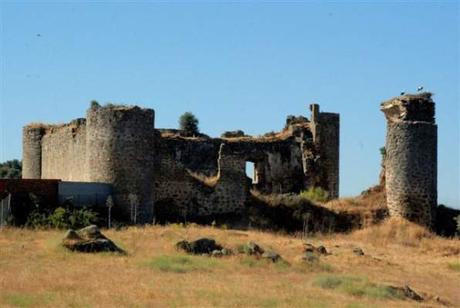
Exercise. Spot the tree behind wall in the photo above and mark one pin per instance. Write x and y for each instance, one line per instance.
(11, 169)
(188, 123)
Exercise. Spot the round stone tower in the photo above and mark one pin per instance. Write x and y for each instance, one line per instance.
(120, 151)
(32, 151)
(411, 157)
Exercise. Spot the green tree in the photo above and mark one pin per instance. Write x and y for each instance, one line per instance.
(11, 169)
(188, 123)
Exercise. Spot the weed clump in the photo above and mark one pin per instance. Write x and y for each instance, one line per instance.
(357, 286)
(182, 264)
(315, 194)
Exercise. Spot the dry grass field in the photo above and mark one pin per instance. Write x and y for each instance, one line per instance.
(36, 272)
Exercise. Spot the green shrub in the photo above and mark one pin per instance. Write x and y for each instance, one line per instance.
(356, 286)
(182, 263)
(37, 220)
(315, 194)
(11, 169)
(455, 266)
(95, 104)
(62, 218)
(188, 123)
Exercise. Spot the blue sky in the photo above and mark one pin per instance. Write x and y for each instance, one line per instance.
(236, 65)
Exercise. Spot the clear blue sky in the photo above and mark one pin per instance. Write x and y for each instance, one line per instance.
(236, 65)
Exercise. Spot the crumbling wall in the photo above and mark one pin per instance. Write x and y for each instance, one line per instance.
(325, 128)
(179, 194)
(63, 152)
(411, 157)
(198, 176)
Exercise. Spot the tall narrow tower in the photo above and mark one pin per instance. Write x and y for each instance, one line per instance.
(32, 151)
(411, 157)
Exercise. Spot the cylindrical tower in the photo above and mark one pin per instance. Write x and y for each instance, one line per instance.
(411, 157)
(120, 151)
(32, 151)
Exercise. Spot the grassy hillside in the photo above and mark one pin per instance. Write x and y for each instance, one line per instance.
(36, 272)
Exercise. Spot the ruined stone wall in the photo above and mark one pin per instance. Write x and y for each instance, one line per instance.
(178, 193)
(200, 176)
(63, 152)
(32, 152)
(325, 128)
(120, 152)
(330, 152)
(411, 158)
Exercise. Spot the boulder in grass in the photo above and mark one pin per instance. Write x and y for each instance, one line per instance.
(252, 248)
(271, 255)
(200, 246)
(89, 239)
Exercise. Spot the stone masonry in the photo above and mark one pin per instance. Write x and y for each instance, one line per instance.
(172, 173)
(411, 157)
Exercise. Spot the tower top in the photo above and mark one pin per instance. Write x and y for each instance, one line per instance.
(409, 107)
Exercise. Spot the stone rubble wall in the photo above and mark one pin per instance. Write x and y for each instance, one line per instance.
(410, 170)
(64, 152)
(411, 158)
(118, 145)
(120, 151)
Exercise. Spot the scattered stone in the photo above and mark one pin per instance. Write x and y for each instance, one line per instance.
(71, 235)
(321, 250)
(183, 245)
(310, 257)
(358, 251)
(252, 248)
(408, 293)
(217, 253)
(89, 239)
(271, 255)
(200, 246)
(309, 247)
(227, 252)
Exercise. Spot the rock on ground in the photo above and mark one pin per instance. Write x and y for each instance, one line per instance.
(200, 246)
(89, 239)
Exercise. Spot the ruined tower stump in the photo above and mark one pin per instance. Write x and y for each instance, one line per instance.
(411, 157)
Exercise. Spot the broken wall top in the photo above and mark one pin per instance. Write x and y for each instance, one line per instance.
(410, 108)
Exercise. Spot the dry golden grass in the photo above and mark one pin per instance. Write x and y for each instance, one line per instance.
(36, 272)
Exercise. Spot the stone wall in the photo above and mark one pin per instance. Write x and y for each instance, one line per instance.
(325, 128)
(411, 158)
(63, 152)
(199, 176)
(178, 193)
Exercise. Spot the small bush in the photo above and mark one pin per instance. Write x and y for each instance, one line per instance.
(95, 104)
(62, 218)
(357, 287)
(182, 264)
(315, 194)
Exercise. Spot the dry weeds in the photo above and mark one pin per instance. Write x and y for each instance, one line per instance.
(36, 272)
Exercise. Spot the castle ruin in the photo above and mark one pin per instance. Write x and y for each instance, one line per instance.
(411, 157)
(186, 176)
